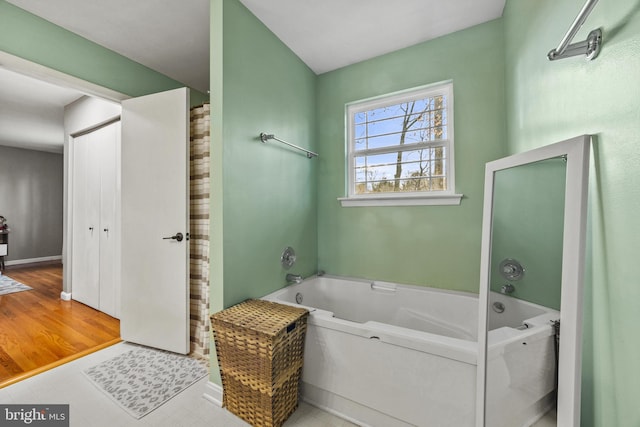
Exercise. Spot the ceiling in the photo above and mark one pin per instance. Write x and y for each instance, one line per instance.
(331, 34)
(32, 112)
(164, 35)
(172, 37)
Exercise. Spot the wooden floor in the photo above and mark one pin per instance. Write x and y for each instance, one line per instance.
(39, 331)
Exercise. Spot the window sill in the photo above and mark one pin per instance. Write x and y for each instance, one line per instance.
(401, 200)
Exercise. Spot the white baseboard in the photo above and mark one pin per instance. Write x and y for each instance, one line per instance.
(34, 260)
(213, 393)
(65, 296)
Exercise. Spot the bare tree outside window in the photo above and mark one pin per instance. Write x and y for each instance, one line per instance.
(401, 147)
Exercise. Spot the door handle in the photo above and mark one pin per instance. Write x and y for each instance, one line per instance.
(178, 236)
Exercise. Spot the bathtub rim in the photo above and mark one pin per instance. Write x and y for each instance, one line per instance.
(458, 349)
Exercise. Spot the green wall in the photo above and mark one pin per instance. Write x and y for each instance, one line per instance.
(527, 225)
(264, 196)
(552, 101)
(32, 38)
(268, 191)
(437, 246)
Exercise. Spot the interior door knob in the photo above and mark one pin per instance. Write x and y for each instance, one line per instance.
(178, 236)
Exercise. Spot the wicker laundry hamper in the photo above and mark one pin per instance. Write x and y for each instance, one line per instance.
(260, 347)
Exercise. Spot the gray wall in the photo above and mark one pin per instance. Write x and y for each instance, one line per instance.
(31, 201)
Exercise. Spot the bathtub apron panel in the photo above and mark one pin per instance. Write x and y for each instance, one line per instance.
(412, 386)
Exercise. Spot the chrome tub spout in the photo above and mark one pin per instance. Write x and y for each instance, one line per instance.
(293, 278)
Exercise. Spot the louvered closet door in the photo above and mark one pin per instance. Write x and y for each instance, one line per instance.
(86, 218)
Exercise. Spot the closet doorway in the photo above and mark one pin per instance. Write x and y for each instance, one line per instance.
(96, 218)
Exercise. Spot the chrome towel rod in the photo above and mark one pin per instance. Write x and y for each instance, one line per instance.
(264, 137)
(590, 47)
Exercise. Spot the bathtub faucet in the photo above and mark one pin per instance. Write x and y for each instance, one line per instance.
(293, 278)
(507, 289)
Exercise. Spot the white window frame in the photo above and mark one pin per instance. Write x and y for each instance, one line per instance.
(444, 197)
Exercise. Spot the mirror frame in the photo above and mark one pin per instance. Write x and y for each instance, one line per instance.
(576, 151)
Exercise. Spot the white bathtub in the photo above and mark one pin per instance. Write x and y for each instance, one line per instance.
(383, 354)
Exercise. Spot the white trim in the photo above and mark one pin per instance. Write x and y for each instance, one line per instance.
(412, 146)
(576, 151)
(65, 296)
(401, 200)
(34, 260)
(420, 92)
(213, 393)
(410, 94)
(49, 75)
(80, 116)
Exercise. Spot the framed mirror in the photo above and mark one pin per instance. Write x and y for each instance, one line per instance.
(532, 268)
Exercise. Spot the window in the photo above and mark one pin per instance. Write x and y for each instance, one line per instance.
(400, 148)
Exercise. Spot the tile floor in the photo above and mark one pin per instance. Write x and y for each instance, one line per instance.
(89, 407)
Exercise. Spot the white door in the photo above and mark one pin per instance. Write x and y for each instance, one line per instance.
(107, 145)
(95, 215)
(155, 183)
(86, 222)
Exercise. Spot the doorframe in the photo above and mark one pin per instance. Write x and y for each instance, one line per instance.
(49, 75)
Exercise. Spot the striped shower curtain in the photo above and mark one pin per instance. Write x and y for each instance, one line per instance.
(199, 231)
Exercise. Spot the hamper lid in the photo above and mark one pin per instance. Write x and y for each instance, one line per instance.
(261, 316)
